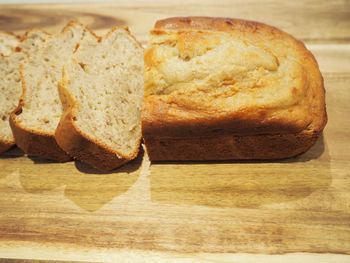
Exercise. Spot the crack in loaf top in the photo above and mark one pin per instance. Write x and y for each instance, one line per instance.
(209, 71)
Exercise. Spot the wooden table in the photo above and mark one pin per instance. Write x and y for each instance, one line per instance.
(288, 211)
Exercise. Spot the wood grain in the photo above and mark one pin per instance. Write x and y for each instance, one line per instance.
(189, 212)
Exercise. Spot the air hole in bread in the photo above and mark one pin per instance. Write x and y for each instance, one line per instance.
(82, 65)
(187, 58)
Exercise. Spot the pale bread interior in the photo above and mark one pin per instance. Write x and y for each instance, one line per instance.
(8, 43)
(10, 84)
(42, 108)
(106, 83)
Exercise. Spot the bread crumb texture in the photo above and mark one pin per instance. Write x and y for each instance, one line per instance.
(42, 109)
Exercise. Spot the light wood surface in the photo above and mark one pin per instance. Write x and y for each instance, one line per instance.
(297, 209)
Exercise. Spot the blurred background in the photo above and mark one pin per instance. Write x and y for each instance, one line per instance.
(313, 21)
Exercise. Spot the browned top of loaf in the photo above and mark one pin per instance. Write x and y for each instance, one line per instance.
(216, 75)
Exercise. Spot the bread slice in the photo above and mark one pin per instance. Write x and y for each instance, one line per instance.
(101, 91)
(17, 51)
(218, 88)
(38, 113)
(8, 43)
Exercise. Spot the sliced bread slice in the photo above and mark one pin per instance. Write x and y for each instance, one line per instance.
(8, 43)
(10, 86)
(35, 120)
(101, 91)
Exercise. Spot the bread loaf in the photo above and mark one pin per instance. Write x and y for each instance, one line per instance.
(16, 51)
(219, 89)
(38, 113)
(101, 92)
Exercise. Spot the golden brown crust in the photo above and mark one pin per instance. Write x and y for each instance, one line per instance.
(170, 123)
(165, 115)
(35, 143)
(228, 147)
(160, 118)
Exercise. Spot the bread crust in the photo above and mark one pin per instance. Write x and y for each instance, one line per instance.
(175, 131)
(227, 147)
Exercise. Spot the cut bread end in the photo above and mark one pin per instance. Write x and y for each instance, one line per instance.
(8, 44)
(101, 92)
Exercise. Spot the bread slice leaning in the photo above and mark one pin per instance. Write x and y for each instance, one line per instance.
(16, 52)
(101, 91)
(34, 121)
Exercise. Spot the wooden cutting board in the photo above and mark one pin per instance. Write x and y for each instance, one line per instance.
(297, 209)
